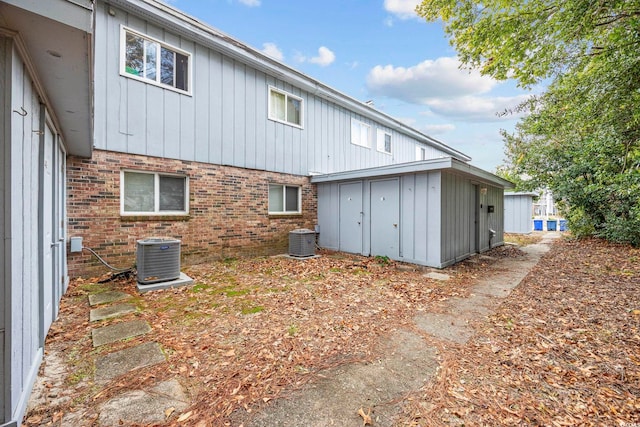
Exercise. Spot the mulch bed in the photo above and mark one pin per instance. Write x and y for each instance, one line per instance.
(563, 348)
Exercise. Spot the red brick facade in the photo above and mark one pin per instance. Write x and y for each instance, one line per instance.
(228, 211)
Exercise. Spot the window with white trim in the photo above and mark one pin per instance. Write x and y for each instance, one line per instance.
(384, 141)
(284, 199)
(152, 193)
(285, 107)
(360, 133)
(152, 61)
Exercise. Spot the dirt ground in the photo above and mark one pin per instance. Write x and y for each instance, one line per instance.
(562, 349)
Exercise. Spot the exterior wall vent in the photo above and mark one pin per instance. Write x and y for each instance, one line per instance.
(302, 243)
(157, 260)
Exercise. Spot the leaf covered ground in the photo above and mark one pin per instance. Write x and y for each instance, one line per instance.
(563, 349)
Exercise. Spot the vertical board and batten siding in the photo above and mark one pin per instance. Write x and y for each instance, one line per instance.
(518, 209)
(225, 120)
(457, 208)
(5, 243)
(22, 336)
(328, 215)
(494, 221)
(420, 216)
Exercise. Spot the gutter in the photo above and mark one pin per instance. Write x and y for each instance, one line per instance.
(206, 35)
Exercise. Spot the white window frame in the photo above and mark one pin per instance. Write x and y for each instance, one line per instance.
(284, 199)
(156, 195)
(381, 141)
(421, 153)
(287, 95)
(157, 82)
(357, 137)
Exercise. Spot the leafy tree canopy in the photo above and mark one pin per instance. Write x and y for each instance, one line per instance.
(581, 137)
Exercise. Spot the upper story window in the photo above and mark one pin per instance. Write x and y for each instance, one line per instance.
(285, 107)
(152, 61)
(421, 153)
(360, 133)
(384, 141)
(150, 193)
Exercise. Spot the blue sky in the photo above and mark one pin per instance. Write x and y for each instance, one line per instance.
(376, 50)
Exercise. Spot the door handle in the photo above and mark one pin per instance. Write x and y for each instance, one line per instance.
(395, 225)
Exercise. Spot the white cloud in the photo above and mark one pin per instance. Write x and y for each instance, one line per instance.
(475, 108)
(444, 87)
(250, 3)
(403, 9)
(429, 79)
(437, 129)
(272, 50)
(325, 57)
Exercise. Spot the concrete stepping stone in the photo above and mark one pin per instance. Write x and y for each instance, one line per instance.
(107, 297)
(120, 362)
(144, 407)
(437, 276)
(119, 331)
(445, 326)
(111, 311)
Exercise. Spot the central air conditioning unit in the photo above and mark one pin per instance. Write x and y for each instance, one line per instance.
(157, 260)
(302, 243)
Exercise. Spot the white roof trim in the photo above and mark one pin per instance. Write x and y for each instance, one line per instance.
(445, 163)
(208, 36)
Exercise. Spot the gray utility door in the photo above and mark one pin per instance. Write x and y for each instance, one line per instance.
(474, 219)
(351, 215)
(385, 215)
(52, 219)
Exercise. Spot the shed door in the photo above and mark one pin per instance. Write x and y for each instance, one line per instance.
(48, 232)
(53, 228)
(351, 217)
(385, 215)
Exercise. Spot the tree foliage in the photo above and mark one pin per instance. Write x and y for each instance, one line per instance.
(581, 137)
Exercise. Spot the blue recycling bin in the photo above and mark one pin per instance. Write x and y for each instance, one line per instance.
(563, 225)
(537, 225)
(551, 224)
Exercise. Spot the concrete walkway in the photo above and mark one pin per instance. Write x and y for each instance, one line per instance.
(407, 361)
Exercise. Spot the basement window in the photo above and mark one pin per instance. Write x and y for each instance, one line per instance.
(149, 193)
(152, 61)
(284, 199)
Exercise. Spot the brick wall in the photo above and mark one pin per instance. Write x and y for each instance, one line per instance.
(228, 211)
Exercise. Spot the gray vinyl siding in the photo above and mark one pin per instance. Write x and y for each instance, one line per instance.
(21, 225)
(225, 121)
(5, 243)
(457, 208)
(518, 209)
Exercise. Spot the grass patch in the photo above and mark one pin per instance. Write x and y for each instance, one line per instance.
(199, 287)
(252, 310)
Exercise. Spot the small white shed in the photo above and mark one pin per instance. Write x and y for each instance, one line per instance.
(431, 212)
(518, 211)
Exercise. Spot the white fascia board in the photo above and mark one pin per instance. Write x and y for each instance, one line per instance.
(443, 164)
(481, 174)
(74, 13)
(206, 35)
(390, 170)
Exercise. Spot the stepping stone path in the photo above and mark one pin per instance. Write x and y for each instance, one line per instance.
(134, 406)
(119, 332)
(111, 311)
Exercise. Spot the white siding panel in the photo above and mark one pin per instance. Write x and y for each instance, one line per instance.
(225, 120)
(216, 107)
